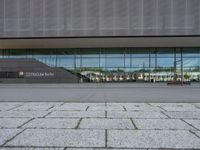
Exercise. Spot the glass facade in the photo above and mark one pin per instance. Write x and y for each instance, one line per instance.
(119, 64)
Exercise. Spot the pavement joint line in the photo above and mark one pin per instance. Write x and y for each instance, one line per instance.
(25, 123)
(106, 138)
(78, 124)
(161, 108)
(124, 108)
(46, 114)
(194, 133)
(165, 114)
(50, 108)
(12, 137)
(87, 108)
(62, 104)
(189, 124)
(133, 123)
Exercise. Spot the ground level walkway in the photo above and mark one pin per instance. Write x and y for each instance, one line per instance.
(90, 126)
(102, 92)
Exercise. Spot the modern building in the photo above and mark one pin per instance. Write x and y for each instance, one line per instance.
(99, 40)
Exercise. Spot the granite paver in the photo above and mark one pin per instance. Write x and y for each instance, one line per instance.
(6, 134)
(54, 123)
(12, 122)
(135, 114)
(194, 123)
(162, 124)
(77, 114)
(22, 114)
(184, 114)
(99, 126)
(152, 139)
(59, 137)
(106, 124)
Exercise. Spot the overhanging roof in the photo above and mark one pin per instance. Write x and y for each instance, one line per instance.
(99, 42)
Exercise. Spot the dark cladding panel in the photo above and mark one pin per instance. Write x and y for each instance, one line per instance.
(106, 18)
(51, 13)
(135, 19)
(37, 7)
(92, 20)
(25, 18)
(1, 18)
(164, 12)
(121, 17)
(179, 17)
(193, 12)
(11, 24)
(149, 9)
(76, 18)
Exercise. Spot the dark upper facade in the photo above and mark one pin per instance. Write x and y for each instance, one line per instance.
(99, 18)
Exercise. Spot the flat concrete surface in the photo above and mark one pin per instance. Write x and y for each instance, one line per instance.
(100, 92)
(99, 126)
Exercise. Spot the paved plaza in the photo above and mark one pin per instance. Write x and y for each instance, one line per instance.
(100, 92)
(88, 126)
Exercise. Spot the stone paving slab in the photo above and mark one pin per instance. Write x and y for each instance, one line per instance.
(76, 106)
(77, 114)
(99, 126)
(152, 139)
(12, 122)
(105, 108)
(6, 134)
(23, 114)
(106, 124)
(101, 149)
(181, 108)
(31, 107)
(194, 123)
(29, 148)
(162, 124)
(54, 123)
(135, 114)
(173, 104)
(59, 137)
(141, 107)
(8, 105)
(184, 115)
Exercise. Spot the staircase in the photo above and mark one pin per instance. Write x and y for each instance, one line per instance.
(30, 70)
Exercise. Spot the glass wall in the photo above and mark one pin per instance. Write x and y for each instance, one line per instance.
(119, 64)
